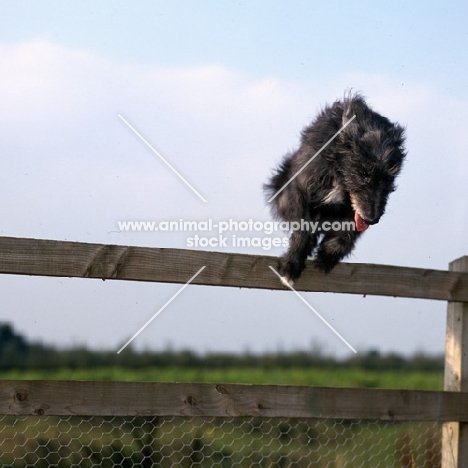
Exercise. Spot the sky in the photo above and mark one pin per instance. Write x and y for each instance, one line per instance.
(221, 90)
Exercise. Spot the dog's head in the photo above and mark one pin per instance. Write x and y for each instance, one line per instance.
(370, 159)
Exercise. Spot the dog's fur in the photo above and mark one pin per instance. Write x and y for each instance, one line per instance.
(350, 179)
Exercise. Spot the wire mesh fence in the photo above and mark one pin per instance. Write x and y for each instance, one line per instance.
(48, 441)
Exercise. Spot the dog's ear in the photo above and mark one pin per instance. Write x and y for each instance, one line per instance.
(347, 112)
(352, 128)
(398, 155)
(395, 155)
(395, 169)
(398, 134)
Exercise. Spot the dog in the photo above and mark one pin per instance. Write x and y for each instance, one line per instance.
(343, 171)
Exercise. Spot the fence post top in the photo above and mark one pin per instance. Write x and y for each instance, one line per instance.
(459, 264)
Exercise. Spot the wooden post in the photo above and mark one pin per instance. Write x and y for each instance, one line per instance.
(455, 434)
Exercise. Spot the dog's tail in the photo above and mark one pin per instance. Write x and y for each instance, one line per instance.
(278, 192)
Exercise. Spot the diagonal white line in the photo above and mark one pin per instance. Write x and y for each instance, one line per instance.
(161, 309)
(312, 158)
(315, 312)
(160, 156)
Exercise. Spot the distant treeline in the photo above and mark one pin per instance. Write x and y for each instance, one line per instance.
(17, 353)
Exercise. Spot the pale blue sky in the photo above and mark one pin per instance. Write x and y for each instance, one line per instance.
(292, 40)
(222, 90)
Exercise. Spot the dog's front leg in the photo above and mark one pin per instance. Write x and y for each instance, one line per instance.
(333, 248)
(292, 263)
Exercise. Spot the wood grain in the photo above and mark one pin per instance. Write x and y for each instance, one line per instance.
(81, 398)
(75, 259)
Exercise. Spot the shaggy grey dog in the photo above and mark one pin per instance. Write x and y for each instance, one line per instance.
(349, 180)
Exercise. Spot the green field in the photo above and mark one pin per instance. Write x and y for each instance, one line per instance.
(393, 379)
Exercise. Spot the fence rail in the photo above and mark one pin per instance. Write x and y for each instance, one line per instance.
(80, 398)
(75, 259)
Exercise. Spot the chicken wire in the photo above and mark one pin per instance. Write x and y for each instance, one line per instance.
(48, 441)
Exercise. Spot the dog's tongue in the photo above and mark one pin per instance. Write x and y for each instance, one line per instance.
(361, 225)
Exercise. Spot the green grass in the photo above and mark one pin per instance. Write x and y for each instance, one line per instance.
(291, 376)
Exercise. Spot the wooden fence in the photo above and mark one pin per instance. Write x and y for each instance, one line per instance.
(112, 262)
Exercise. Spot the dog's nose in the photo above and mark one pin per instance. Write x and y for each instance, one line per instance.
(372, 221)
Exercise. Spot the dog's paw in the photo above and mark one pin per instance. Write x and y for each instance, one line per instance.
(288, 282)
(288, 272)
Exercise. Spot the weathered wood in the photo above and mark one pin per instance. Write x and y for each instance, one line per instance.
(81, 398)
(74, 259)
(455, 434)
(456, 341)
